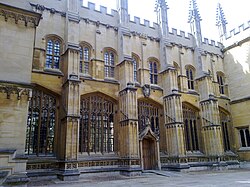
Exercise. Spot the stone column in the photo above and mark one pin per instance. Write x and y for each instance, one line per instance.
(174, 127)
(211, 128)
(128, 133)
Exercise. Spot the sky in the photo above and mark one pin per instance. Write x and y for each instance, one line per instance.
(236, 13)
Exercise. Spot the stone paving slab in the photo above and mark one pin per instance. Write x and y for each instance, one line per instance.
(229, 178)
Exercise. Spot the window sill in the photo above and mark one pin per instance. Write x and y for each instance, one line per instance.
(97, 155)
(85, 76)
(194, 153)
(244, 149)
(155, 87)
(223, 96)
(193, 92)
(56, 72)
(110, 79)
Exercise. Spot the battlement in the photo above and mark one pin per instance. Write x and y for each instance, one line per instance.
(237, 34)
(102, 9)
(239, 30)
(213, 43)
(145, 23)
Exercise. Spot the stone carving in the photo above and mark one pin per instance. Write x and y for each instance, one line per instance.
(15, 90)
(146, 90)
(18, 17)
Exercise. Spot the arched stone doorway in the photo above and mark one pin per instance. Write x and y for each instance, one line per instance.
(149, 150)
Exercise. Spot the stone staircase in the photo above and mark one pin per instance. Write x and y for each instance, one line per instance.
(12, 167)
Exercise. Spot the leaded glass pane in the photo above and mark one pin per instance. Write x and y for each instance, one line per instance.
(99, 110)
(41, 124)
(49, 47)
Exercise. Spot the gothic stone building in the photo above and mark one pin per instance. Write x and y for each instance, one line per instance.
(82, 91)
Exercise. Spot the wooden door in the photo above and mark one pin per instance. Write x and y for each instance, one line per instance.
(148, 150)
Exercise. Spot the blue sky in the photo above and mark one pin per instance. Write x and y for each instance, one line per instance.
(236, 13)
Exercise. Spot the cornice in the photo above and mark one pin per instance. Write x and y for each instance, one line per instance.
(20, 16)
(18, 90)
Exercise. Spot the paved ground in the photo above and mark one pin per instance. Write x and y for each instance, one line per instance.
(167, 179)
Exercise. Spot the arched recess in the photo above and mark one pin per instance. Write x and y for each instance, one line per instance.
(149, 149)
(221, 81)
(136, 66)
(42, 123)
(192, 127)
(225, 120)
(98, 123)
(178, 71)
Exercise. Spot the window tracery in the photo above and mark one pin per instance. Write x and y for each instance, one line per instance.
(96, 125)
(41, 123)
(53, 52)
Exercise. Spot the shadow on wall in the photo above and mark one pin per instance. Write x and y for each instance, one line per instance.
(237, 68)
(241, 56)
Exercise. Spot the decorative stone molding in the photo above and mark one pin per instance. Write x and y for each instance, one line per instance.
(19, 91)
(20, 16)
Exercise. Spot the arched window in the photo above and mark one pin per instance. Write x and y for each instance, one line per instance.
(135, 66)
(53, 52)
(190, 77)
(148, 113)
(84, 59)
(109, 64)
(153, 72)
(41, 122)
(96, 125)
(190, 117)
(224, 118)
(220, 80)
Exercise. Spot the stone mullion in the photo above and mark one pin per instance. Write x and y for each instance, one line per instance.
(47, 132)
(39, 124)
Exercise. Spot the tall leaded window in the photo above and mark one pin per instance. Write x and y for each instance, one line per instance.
(41, 124)
(190, 77)
(96, 125)
(244, 137)
(135, 66)
(190, 128)
(109, 64)
(84, 60)
(148, 114)
(220, 80)
(153, 72)
(53, 50)
(224, 118)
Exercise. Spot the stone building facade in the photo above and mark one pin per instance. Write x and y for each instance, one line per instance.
(85, 91)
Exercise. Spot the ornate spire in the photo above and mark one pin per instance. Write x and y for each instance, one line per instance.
(194, 13)
(161, 8)
(194, 19)
(221, 22)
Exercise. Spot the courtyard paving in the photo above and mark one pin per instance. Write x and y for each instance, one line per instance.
(228, 178)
